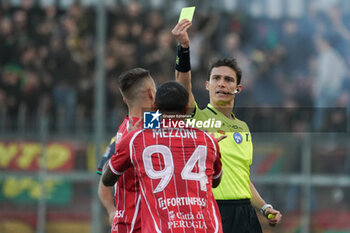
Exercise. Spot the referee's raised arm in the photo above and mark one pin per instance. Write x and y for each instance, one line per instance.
(183, 64)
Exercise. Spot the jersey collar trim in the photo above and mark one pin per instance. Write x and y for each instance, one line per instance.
(216, 112)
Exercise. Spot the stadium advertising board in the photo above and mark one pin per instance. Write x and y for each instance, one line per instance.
(30, 190)
(31, 156)
(26, 156)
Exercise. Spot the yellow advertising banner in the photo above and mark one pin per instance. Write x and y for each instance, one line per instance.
(31, 156)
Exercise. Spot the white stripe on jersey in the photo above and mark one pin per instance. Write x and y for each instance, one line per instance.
(131, 142)
(124, 197)
(216, 220)
(152, 188)
(141, 187)
(184, 159)
(150, 211)
(124, 201)
(118, 185)
(136, 213)
(175, 188)
(113, 170)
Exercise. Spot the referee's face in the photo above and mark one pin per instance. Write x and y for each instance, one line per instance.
(221, 85)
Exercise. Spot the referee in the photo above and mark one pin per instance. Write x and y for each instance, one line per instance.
(236, 196)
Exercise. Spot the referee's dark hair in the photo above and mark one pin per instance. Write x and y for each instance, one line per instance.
(129, 80)
(171, 97)
(232, 63)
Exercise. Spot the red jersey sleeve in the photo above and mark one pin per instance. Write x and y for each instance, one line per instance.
(121, 161)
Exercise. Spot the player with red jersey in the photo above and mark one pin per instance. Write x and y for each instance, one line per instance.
(120, 211)
(176, 168)
(127, 194)
(138, 90)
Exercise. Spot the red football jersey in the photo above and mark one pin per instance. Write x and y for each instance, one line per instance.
(175, 168)
(127, 193)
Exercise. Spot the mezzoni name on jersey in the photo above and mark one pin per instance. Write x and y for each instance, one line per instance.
(174, 133)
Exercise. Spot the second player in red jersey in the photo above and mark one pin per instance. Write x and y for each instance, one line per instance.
(138, 90)
(127, 193)
(176, 168)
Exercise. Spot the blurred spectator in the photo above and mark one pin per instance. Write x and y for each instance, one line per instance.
(232, 48)
(278, 57)
(330, 77)
(64, 80)
(11, 90)
(32, 92)
(161, 59)
(296, 46)
(7, 41)
(340, 34)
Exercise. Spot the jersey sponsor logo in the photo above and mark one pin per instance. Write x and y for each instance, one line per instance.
(186, 220)
(181, 201)
(238, 138)
(187, 224)
(151, 120)
(119, 213)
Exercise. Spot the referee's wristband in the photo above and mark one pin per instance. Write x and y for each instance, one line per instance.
(183, 63)
(262, 210)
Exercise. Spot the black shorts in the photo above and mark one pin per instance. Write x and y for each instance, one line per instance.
(238, 216)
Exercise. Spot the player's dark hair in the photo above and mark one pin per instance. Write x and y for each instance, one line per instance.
(232, 63)
(131, 78)
(171, 97)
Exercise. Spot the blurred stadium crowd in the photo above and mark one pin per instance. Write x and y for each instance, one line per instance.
(47, 59)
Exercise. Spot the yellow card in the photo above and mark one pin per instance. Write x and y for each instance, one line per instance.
(187, 13)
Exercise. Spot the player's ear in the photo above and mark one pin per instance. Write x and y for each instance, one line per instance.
(124, 100)
(239, 88)
(151, 94)
(207, 85)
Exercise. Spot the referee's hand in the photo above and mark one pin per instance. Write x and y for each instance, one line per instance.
(180, 33)
(273, 220)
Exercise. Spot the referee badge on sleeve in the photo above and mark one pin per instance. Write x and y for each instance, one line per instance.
(237, 137)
